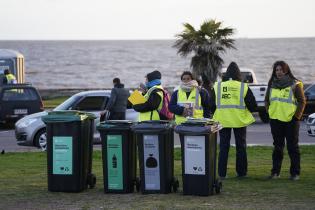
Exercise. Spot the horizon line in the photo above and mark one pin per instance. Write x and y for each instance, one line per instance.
(145, 39)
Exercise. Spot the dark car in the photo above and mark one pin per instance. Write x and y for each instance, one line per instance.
(310, 100)
(17, 101)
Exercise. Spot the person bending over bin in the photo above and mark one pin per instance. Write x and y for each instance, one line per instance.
(189, 100)
(285, 102)
(117, 103)
(234, 104)
(149, 110)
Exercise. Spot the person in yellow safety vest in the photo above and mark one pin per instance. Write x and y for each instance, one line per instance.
(234, 104)
(189, 100)
(285, 102)
(9, 78)
(154, 96)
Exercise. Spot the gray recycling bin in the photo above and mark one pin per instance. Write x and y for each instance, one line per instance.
(198, 148)
(69, 150)
(155, 140)
(119, 156)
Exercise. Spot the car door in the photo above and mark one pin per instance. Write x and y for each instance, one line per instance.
(310, 100)
(92, 104)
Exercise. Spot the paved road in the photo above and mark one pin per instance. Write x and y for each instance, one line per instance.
(257, 134)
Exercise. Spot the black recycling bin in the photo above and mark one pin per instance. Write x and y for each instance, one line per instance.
(155, 140)
(198, 147)
(119, 156)
(69, 150)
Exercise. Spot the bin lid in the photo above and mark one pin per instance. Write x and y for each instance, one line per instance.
(153, 126)
(199, 121)
(67, 116)
(197, 128)
(114, 125)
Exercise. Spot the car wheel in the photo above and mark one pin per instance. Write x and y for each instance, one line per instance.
(41, 139)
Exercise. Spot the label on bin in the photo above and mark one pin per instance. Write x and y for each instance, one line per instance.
(151, 162)
(114, 162)
(194, 155)
(62, 155)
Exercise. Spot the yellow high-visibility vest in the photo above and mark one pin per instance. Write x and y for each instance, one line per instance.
(231, 111)
(194, 101)
(282, 103)
(152, 115)
(11, 79)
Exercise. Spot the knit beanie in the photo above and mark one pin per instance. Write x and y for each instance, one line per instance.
(154, 75)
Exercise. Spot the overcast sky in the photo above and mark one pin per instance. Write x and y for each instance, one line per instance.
(152, 19)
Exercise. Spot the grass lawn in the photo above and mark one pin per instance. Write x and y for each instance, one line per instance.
(23, 185)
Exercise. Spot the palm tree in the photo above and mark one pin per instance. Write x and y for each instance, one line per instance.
(207, 44)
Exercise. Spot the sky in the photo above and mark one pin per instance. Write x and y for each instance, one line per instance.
(151, 19)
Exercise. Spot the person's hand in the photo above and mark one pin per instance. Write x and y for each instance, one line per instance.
(142, 88)
(187, 112)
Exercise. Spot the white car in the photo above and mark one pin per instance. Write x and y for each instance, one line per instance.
(310, 123)
(31, 130)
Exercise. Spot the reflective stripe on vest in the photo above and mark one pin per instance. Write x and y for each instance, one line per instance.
(231, 110)
(152, 115)
(282, 104)
(193, 99)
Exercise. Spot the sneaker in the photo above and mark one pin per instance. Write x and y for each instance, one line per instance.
(294, 177)
(274, 176)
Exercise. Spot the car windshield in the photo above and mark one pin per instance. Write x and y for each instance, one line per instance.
(19, 94)
(246, 77)
(67, 103)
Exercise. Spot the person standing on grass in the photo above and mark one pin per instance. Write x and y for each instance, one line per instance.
(234, 104)
(189, 100)
(149, 110)
(285, 102)
(117, 103)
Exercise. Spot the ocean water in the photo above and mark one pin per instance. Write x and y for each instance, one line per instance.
(93, 64)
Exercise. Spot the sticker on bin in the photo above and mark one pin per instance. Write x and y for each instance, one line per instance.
(114, 162)
(151, 162)
(194, 147)
(62, 155)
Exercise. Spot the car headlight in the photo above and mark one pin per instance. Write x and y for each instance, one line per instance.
(26, 123)
(310, 121)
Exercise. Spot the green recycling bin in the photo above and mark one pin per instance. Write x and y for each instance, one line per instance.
(69, 150)
(198, 147)
(119, 156)
(155, 140)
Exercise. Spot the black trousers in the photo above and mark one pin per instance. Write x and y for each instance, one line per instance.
(241, 155)
(288, 131)
(117, 116)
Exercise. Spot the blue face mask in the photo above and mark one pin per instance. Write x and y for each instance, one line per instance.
(153, 83)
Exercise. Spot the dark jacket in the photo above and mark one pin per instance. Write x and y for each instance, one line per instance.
(249, 99)
(300, 98)
(205, 102)
(151, 104)
(118, 99)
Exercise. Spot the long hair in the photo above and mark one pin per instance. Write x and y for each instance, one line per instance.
(285, 68)
(232, 72)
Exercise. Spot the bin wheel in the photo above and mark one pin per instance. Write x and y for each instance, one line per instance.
(91, 180)
(137, 184)
(175, 184)
(218, 186)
